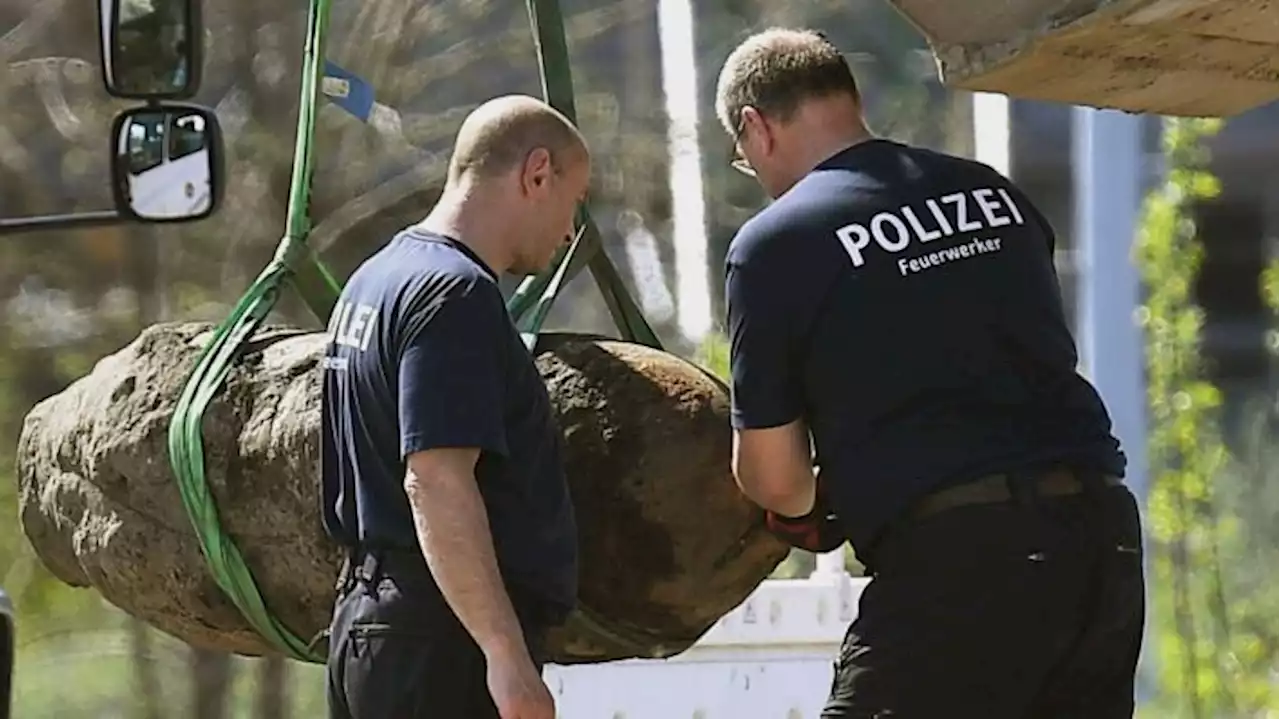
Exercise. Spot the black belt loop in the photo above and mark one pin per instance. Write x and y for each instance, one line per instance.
(370, 573)
(362, 566)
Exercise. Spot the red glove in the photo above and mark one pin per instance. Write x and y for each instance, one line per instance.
(818, 531)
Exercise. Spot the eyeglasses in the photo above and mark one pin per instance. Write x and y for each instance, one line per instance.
(736, 160)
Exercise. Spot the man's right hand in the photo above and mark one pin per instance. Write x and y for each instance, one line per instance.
(518, 690)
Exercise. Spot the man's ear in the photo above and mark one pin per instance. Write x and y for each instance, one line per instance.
(755, 123)
(535, 177)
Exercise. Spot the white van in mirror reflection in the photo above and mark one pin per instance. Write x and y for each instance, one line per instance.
(168, 171)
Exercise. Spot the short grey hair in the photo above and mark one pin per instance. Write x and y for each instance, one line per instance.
(776, 70)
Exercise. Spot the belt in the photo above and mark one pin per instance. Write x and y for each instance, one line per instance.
(370, 565)
(995, 488)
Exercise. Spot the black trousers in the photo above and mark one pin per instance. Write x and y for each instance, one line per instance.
(396, 649)
(1030, 608)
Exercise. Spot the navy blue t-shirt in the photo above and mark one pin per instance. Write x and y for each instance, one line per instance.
(423, 354)
(904, 303)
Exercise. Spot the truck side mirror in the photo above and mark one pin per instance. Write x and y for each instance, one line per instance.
(6, 656)
(151, 49)
(166, 163)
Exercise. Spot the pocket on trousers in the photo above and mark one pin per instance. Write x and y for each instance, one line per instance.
(382, 672)
(366, 640)
(398, 671)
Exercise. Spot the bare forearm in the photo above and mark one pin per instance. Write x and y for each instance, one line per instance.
(453, 532)
(773, 467)
(796, 500)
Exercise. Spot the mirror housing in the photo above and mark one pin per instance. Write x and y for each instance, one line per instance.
(6, 656)
(151, 49)
(166, 163)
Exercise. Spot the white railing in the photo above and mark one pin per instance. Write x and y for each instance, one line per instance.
(770, 658)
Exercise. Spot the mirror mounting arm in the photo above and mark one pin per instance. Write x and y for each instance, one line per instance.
(71, 221)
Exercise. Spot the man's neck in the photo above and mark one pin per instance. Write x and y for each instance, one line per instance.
(826, 145)
(819, 133)
(467, 218)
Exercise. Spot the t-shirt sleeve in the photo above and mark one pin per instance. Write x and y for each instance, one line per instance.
(453, 374)
(766, 313)
(1034, 217)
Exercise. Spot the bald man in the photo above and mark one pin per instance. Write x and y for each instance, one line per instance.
(900, 306)
(441, 464)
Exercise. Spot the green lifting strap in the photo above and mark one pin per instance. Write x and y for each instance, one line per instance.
(292, 263)
(539, 292)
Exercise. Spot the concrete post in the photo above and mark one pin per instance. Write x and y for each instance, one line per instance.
(1107, 166)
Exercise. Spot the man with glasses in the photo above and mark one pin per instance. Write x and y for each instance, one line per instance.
(899, 308)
